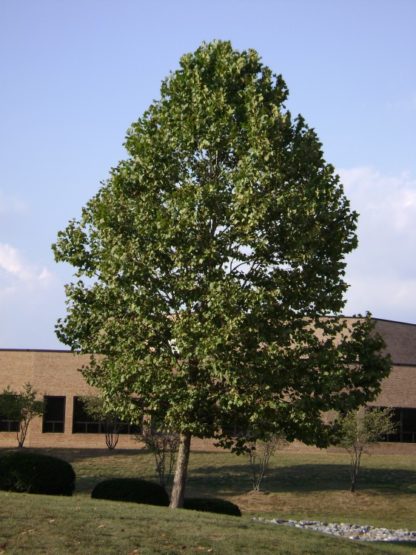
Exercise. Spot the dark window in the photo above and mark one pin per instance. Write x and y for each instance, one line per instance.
(126, 428)
(54, 415)
(405, 421)
(83, 423)
(408, 424)
(7, 424)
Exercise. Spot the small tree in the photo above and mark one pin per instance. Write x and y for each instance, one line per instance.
(21, 407)
(96, 408)
(164, 444)
(358, 430)
(259, 455)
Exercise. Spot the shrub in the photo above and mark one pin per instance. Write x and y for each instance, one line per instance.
(35, 473)
(212, 505)
(20, 408)
(259, 455)
(163, 443)
(133, 490)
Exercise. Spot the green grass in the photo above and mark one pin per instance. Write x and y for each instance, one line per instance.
(299, 485)
(40, 524)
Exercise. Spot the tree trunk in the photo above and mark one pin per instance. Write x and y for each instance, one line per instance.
(179, 481)
(22, 432)
(355, 467)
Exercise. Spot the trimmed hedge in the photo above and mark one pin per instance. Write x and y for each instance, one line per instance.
(133, 490)
(212, 505)
(27, 472)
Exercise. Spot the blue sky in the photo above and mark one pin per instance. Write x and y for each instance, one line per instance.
(75, 75)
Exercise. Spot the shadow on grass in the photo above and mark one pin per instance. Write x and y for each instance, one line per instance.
(302, 478)
(95, 465)
(73, 455)
(77, 455)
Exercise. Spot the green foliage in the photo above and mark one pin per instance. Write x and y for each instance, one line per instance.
(35, 473)
(363, 427)
(21, 407)
(216, 249)
(94, 406)
(133, 490)
(97, 409)
(358, 430)
(208, 263)
(212, 505)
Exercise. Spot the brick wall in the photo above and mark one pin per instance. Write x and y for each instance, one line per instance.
(57, 373)
(398, 389)
(51, 373)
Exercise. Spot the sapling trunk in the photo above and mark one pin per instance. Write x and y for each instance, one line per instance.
(179, 481)
(22, 432)
(355, 468)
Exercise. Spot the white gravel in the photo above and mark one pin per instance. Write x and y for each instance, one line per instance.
(350, 531)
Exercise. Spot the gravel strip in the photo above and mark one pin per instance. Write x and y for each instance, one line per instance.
(350, 531)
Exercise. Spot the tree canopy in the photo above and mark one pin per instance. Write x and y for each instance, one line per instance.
(209, 262)
(358, 430)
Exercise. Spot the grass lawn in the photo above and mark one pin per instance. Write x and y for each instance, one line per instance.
(299, 485)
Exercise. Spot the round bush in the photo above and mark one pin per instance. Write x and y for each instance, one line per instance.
(133, 490)
(212, 505)
(35, 473)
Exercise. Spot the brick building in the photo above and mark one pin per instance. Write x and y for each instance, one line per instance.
(55, 376)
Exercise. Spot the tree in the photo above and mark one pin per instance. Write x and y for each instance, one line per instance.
(260, 452)
(21, 407)
(358, 430)
(164, 445)
(96, 408)
(208, 263)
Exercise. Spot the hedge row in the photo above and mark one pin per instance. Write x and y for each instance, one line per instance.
(150, 493)
(35, 473)
(27, 472)
(133, 490)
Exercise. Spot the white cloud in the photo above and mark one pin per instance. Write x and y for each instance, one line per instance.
(15, 268)
(31, 300)
(382, 271)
